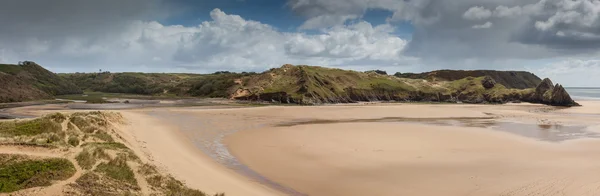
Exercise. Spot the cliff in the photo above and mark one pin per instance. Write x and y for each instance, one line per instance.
(316, 85)
(29, 81)
(292, 84)
(509, 79)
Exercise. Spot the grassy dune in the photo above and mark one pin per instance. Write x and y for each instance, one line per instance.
(107, 165)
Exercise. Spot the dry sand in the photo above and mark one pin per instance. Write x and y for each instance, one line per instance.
(367, 158)
(390, 158)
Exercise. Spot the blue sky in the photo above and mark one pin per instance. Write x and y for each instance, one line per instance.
(202, 36)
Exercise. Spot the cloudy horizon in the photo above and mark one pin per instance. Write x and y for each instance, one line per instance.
(559, 39)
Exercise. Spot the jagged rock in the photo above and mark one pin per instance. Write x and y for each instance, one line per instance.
(542, 88)
(561, 97)
(550, 94)
(488, 82)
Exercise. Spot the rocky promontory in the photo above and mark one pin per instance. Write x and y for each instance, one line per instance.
(317, 85)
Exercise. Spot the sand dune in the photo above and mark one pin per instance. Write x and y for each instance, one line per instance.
(369, 149)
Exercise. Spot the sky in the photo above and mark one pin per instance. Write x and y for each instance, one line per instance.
(559, 39)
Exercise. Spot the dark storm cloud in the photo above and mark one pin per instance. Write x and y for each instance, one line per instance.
(493, 29)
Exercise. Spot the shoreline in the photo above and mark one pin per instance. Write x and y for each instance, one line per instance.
(300, 167)
(188, 143)
(172, 151)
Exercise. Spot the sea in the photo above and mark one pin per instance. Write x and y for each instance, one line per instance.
(584, 93)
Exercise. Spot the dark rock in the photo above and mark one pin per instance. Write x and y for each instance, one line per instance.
(550, 94)
(560, 97)
(543, 87)
(488, 82)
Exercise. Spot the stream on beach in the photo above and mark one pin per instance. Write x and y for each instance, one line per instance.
(207, 133)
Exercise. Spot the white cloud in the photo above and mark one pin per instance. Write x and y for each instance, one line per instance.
(227, 42)
(477, 13)
(573, 72)
(506, 12)
(486, 25)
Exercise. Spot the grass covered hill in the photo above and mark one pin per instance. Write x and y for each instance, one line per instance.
(300, 84)
(314, 85)
(159, 84)
(29, 81)
(510, 79)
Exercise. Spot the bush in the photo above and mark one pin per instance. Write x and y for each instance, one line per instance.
(103, 136)
(33, 173)
(73, 141)
(58, 117)
(53, 138)
(118, 170)
(85, 160)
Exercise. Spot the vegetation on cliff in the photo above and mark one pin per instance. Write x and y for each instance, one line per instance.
(314, 85)
(509, 79)
(29, 81)
(157, 84)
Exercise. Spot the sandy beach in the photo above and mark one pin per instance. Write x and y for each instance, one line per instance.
(372, 149)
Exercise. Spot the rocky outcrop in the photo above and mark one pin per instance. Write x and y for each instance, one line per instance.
(319, 85)
(556, 95)
(509, 79)
(488, 82)
(545, 86)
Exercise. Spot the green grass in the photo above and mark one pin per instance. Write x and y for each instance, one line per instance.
(57, 117)
(73, 141)
(103, 136)
(79, 121)
(106, 145)
(29, 127)
(118, 170)
(10, 69)
(85, 159)
(17, 175)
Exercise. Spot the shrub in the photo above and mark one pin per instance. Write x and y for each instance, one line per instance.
(53, 138)
(118, 170)
(73, 141)
(79, 121)
(33, 173)
(58, 117)
(102, 135)
(85, 160)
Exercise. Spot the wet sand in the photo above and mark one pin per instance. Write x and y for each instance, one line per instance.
(408, 158)
(379, 149)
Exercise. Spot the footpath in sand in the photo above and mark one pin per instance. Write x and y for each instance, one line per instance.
(374, 149)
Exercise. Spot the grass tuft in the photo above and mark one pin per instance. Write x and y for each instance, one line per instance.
(17, 175)
(73, 141)
(118, 170)
(85, 160)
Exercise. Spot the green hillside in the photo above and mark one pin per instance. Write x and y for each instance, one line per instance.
(311, 84)
(290, 84)
(510, 79)
(29, 81)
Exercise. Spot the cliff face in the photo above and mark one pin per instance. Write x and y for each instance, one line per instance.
(510, 79)
(316, 85)
(556, 95)
(30, 81)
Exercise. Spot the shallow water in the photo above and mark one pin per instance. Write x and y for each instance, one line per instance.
(210, 142)
(542, 132)
(207, 134)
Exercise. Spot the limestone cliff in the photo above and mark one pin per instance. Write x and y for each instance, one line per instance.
(316, 85)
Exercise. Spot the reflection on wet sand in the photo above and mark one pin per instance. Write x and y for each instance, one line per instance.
(543, 132)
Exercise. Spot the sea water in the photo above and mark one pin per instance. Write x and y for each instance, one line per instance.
(584, 93)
